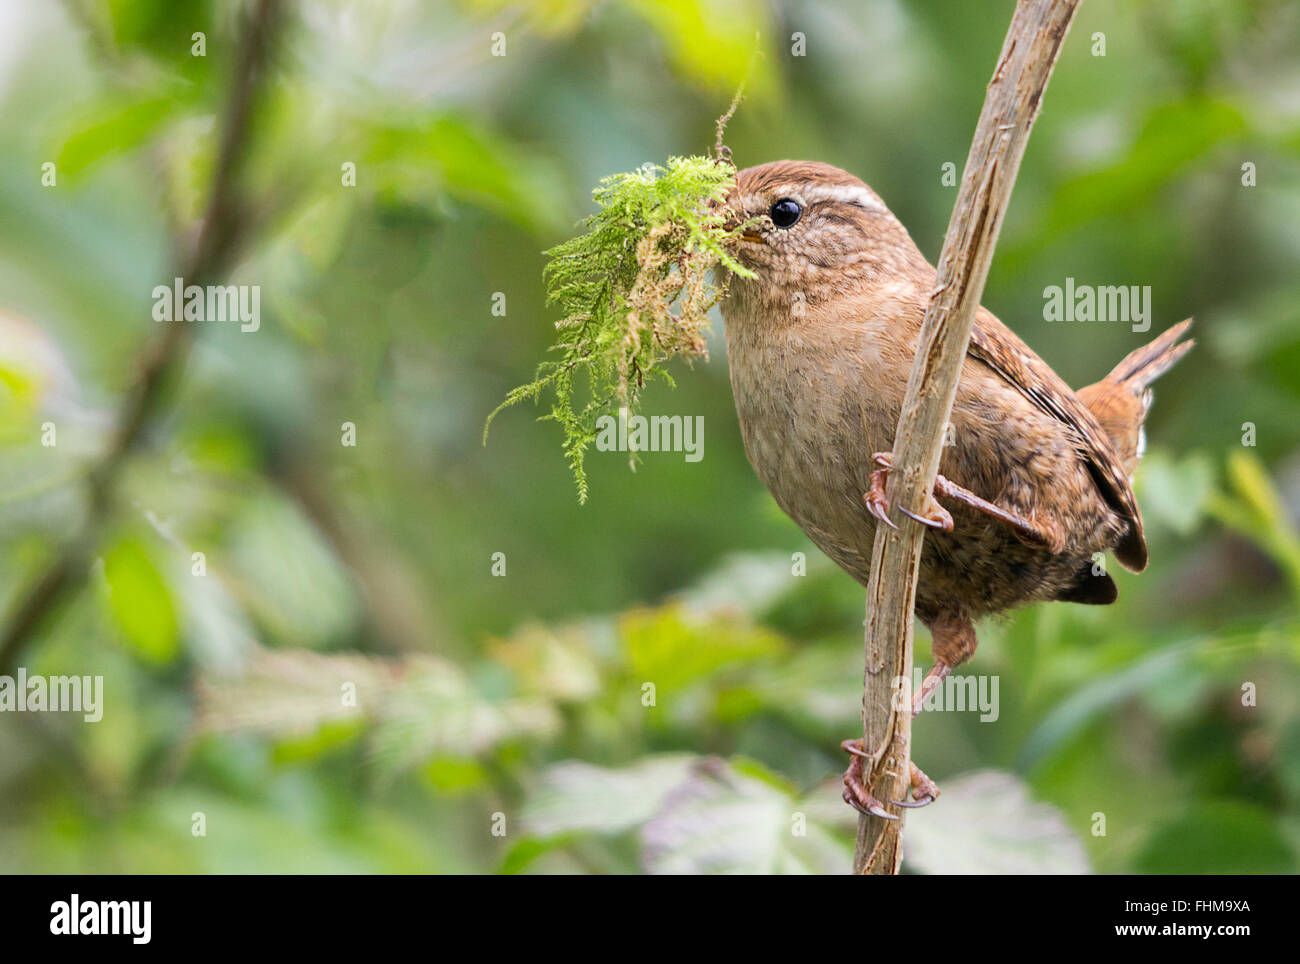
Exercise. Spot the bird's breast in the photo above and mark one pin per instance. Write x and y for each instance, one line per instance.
(813, 404)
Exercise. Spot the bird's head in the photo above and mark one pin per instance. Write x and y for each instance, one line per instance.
(813, 231)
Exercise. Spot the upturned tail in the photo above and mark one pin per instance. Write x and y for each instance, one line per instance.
(1121, 400)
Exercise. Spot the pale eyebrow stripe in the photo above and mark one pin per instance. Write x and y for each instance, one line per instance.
(843, 193)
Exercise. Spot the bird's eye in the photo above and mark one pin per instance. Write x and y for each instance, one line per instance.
(785, 212)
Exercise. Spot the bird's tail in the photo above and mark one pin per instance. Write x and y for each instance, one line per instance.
(1121, 400)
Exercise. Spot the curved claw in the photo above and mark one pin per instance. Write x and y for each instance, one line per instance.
(924, 790)
(936, 516)
(856, 795)
(913, 804)
(880, 514)
(876, 502)
(870, 805)
(943, 522)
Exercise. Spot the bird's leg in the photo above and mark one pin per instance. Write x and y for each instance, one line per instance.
(938, 517)
(856, 794)
(1029, 529)
(953, 641)
(938, 672)
(924, 790)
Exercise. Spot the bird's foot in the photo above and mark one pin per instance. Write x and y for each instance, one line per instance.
(924, 790)
(856, 795)
(1031, 530)
(935, 515)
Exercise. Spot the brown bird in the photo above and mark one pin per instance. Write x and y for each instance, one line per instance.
(1034, 477)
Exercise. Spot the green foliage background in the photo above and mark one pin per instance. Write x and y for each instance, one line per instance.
(518, 699)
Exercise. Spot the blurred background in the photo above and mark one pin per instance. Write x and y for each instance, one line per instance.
(417, 653)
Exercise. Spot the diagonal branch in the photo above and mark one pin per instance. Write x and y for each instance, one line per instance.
(1029, 54)
(222, 230)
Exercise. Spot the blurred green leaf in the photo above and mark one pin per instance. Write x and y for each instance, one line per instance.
(714, 41)
(735, 819)
(326, 737)
(455, 775)
(114, 126)
(140, 601)
(555, 664)
(550, 16)
(671, 648)
(1176, 492)
(1218, 837)
(1174, 135)
(419, 708)
(160, 26)
(288, 575)
(693, 814)
(418, 160)
(575, 796)
(1255, 508)
(986, 823)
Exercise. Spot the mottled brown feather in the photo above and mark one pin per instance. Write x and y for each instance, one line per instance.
(1002, 350)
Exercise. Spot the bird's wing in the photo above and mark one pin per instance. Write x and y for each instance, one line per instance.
(998, 347)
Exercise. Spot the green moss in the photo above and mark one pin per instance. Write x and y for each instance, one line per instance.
(634, 290)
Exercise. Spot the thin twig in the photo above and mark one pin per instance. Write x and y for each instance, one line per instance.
(223, 228)
(1029, 54)
(721, 152)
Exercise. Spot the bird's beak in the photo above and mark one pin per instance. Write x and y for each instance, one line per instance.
(734, 220)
